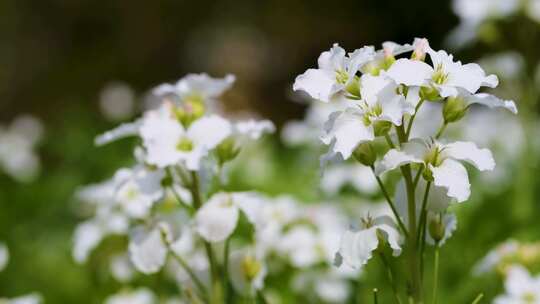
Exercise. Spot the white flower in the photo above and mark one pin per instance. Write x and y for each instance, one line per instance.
(520, 287)
(147, 249)
(247, 269)
(32, 298)
(117, 101)
(357, 246)
(149, 244)
(337, 176)
(300, 244)
(138, 189)
(446, 75)
(168, 142)
(217, 218)
(17, 144)
(4, 256)
(442, 162)
(90, 233)
(336, 71)
(254, 129)
(197, 88)
(138, 296)
(380, 101)
(121, 268)
(448, 222)
(496, 256)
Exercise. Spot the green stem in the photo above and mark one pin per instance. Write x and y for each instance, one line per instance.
(375, 300)
(409, 127)
(217, 292)
(185, 266)
(436, 274)
(390, 277)
(390, 203)
(226, 284)
(414, 269)
(389, 141)
(260, 297)
(423, 212)
(441, 130)
(478, 298)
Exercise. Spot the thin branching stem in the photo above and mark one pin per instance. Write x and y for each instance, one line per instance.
(436, 274)
(478, 298)
(390, 203)
(411, 121)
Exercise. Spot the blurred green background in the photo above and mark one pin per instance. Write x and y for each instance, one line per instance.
(57, 56)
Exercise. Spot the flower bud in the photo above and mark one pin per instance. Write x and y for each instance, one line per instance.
(429, 93)
(190, 110)
(427, 174)
(454, 109)
(365, 154)
(227, 150)
(381, 127)
(436, 229)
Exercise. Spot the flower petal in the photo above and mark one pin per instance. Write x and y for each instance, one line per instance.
(491, 101)
(482, 159)
(319, 84)
(356, 247)
(410, 72)
(217, 218)
(209, 131)
(147, 249)
(452, 176)
(411, 152)
(346, 130)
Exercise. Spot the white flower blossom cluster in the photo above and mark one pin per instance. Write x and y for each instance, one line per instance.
(377, 96)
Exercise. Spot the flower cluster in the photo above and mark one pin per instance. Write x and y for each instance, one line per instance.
(171, 202)
(377, 96)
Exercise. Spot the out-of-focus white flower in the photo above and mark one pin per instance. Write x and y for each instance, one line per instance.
(309, 130)
(247, 269)
(338, 175)
(137, 189)
(446, 76)
(380, 102)
(17, 143)
(508, 65)
(137, 296)
(357, 246)
(4, 256)
(520, 287)
(149, 244)
(496, 256)
(117, 101)
(474, 13)
(90, 233)
(301, 245)
(335, 73)
(332, 289)
(254, 129)
(532, 9)
(197, 88)
(217, 218)
(168, 142)
(147, 249)
(121, 268)
(441, 161)
(33, 298)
